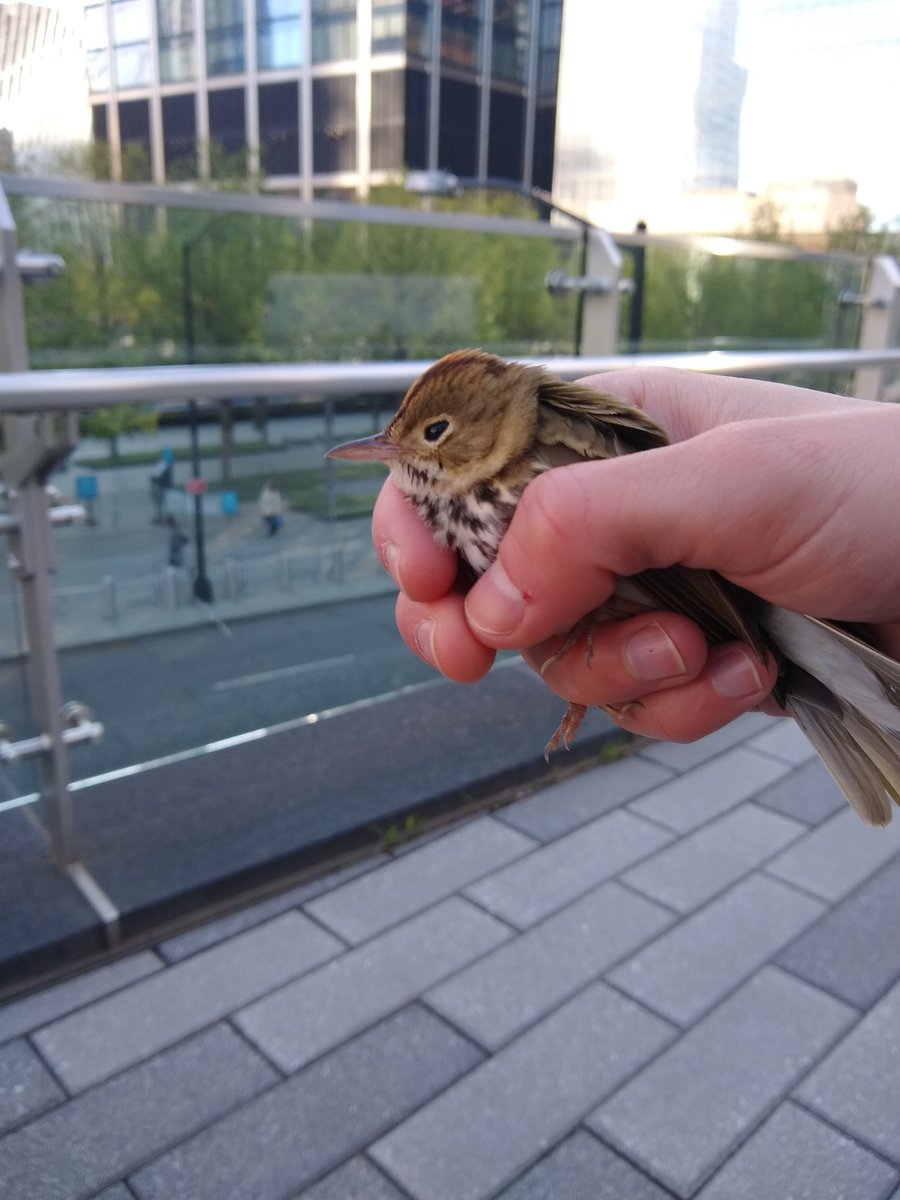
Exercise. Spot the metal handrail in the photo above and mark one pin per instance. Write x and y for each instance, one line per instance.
(100, 387)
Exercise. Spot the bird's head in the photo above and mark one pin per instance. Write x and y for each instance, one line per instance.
(464, 420)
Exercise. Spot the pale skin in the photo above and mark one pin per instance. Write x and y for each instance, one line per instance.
(791, 493)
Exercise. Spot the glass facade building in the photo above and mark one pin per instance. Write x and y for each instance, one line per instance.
(325, 97)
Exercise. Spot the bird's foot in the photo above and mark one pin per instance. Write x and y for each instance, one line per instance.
(566, 729)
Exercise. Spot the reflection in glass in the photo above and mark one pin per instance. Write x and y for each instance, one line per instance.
(279, 123)
(333, 30)
(387, 120)
(277, 34)
(334, 124)
(461, 26)
(419, 15)
(133, 65)
(510, 40)
(175, 22)
(131, 38)
(224, 36)
(388, 18)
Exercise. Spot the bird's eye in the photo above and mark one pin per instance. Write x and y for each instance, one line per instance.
(435, 431)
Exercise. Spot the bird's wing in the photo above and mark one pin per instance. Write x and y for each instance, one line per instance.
(577, 423)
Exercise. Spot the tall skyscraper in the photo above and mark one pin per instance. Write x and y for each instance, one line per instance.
(328, 97)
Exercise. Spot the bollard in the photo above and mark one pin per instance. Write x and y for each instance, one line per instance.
(110, 598)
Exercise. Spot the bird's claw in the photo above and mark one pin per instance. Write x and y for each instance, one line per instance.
(566, 729)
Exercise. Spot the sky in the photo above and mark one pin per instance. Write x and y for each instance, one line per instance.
(821, 100)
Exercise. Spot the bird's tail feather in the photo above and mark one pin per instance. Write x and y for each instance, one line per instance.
(862, 758)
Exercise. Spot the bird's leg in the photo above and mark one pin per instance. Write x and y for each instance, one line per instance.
(615, 609)
(566, 729)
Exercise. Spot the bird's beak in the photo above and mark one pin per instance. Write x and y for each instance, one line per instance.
(378, 447)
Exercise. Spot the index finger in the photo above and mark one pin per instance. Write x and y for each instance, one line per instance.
(424, 570)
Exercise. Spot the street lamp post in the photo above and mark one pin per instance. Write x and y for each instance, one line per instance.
(203, 589)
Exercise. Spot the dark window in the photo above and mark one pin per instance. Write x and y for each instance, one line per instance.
(415, 147)
(179, 118)
(226, 120)
(99, 123)
(279, 125)
(387, 120)
(458, 132)
(506, 135)
(134, 132)
(334, 124)
(544, 140)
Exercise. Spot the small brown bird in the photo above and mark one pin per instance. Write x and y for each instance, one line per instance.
(474, 430)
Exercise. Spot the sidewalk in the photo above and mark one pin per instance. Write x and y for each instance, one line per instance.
(674, 975)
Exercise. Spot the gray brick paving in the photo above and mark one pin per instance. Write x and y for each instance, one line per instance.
(304, 1019)
(556, 874)
(98, 1137)
(689, 969)
(582, 1168)
(507, 990)
(304, 1127)
(857, 1085)
(710, 789)
(683, 1114)
(687, 874)
(793, 1154)
(20, 1016)
(26, 1086)
(808, 794)
(854, 951)
(627, 986)
(133, 1024)
(565, 806)
(431, 872)
(832, 859)
(480, 1133)
(357, 1179)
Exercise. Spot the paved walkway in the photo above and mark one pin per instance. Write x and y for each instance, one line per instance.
(675, 975)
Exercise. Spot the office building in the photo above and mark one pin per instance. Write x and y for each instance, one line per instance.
(325, 97)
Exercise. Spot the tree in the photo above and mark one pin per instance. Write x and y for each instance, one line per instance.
(116, 422)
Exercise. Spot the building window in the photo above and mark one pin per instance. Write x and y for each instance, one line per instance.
(99, 123)
(417, 107)
(419, 17)
(333, 30)
(506, 135)
(277, 34)
(224, 37)
(387, 120)
(388, 26)
(175, 23)
(461, 25)
(279, 125)
(131, 39)
(549, 33)
(179, 120)
(96, 44)
(134, 134)
(458, 127)
(334, 124)
(509, 45)
(226, 122)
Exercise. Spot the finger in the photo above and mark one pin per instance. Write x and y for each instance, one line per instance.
(616, 661)
(702, 705)
(438, 633)
(417, 564)
(686, 403)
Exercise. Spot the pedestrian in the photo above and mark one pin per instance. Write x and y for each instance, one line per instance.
(271, 509)
(178, 539)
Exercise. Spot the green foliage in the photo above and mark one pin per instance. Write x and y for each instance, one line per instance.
(116, 422)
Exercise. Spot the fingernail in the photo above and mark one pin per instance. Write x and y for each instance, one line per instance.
(498, 605)
(390, 558)
(735, 674)
(424, 637)
(651, 654)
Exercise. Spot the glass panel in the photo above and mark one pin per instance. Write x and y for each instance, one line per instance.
(277, 34)
(388, 26)
(224, 36)
(419, 21)
(98, 70)
(131, 21)
(333, 30)
(334, 124)
(95, 31)
(509, 44)
(279, 128)
(175, 19)
(133, 65)
(461, 25)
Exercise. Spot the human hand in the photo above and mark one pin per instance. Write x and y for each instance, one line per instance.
(782, 490)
